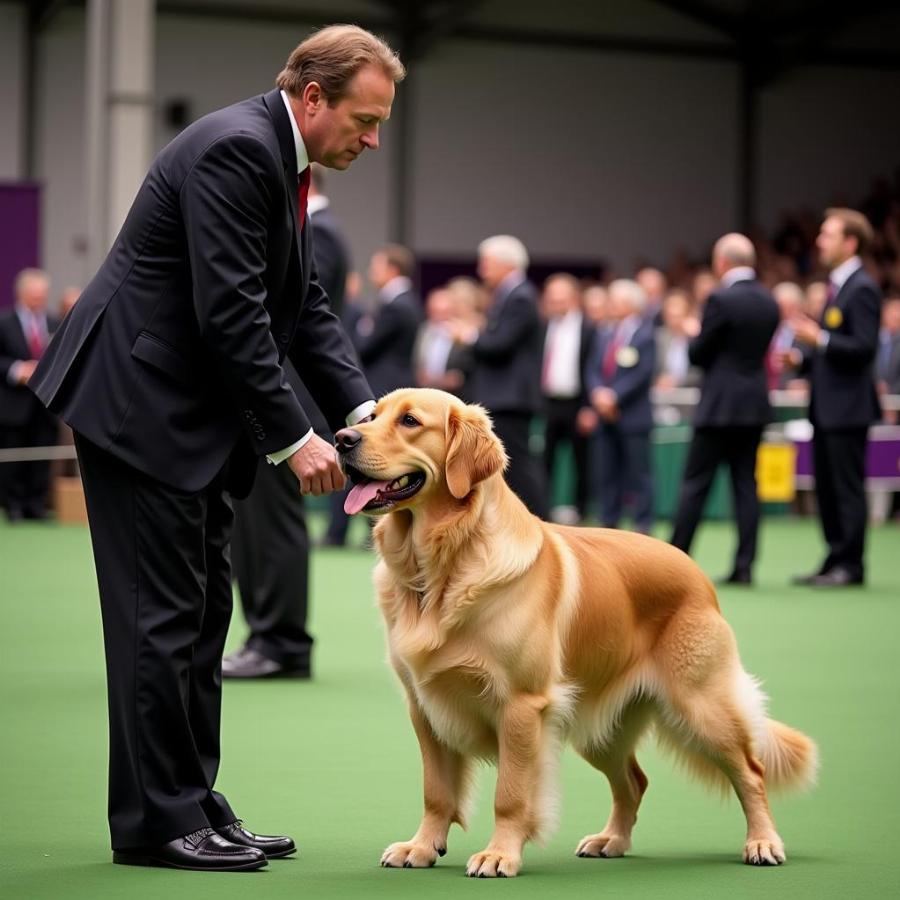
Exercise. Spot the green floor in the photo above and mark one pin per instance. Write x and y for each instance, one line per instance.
(334, 762)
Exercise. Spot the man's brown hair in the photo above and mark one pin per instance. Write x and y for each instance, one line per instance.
(399, 258)
(332, 56)
(855, 225)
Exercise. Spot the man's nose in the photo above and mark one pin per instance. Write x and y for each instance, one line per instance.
(346, 439)
(370, 139)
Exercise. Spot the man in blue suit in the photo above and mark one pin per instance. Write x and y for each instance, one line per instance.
(617, 377)
(169, 371)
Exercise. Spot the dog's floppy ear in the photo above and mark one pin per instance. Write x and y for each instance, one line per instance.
(474, 452)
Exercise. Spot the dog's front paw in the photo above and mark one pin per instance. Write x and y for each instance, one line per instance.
(764, 852)
(410, 855)
(604, 845)
(493, 864)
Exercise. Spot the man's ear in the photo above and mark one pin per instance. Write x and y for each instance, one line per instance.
(474, 452)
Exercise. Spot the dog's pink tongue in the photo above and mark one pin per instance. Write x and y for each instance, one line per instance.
(361, 494)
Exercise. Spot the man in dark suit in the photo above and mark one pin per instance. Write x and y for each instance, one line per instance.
(24, 422)
(270, 546)
(169, 370)
(507, 353)
(838, 354)
(618, 376)
(738, 323)
(385, 339)
(567, 342)
(887, 364)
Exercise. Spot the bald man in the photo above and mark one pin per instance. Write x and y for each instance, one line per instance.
(738, 323)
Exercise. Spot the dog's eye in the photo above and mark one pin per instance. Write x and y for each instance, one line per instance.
(409, 421)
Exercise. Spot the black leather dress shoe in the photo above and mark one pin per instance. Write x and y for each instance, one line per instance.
(807, 579)
(274, 847)
(201, 851)
(838, 577)
(744, 578)
(250, 663)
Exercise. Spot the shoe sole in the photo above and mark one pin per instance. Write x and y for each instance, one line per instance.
(139, 859)
(281, 854)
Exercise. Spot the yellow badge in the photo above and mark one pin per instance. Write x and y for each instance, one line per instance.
(833, 317)
(627, 357)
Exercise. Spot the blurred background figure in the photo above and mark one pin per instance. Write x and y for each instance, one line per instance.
(702, 285)
(67, 299)
(654, 285)
(738, 323)
(24, 422)
(440, 361)
(385, 339)
(567, 342)
(679, 325)
(593, 301)
(816, 297)
(887, 363)
(838, 352)
(270, 541)
(618, 376)
(507, 352)
(791, 300)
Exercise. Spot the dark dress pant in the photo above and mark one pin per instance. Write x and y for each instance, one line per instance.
(24, 486)
(560, 429)
(735, 446)
(839, 462)
(625, 478)
(525, 473)
(270, 553)
(163, 569)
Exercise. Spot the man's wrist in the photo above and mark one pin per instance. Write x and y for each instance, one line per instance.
(281, 455)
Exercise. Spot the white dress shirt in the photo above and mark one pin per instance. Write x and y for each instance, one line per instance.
(738, 273)
(562, 352)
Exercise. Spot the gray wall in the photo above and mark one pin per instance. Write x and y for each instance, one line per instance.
(585, 155)
(12, 30)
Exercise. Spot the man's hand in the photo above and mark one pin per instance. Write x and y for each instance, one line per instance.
(586, 422)
(26, 370)
(316, 467)
(806, 330)
(604, 400)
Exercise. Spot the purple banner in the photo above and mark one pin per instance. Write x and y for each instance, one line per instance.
(19, 234)
(882, 455)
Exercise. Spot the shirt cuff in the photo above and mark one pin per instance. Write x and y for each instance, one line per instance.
(12, 373)
(361, 411)
(823, 339)
(281, 455)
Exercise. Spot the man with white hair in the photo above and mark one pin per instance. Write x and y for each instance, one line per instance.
(790, 299)
(738, 323)
(618, 376)
(507, 352)
(24, 334)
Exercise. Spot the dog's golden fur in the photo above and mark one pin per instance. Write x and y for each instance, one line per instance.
(511, 635)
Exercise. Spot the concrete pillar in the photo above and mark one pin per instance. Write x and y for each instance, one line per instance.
(120, 109)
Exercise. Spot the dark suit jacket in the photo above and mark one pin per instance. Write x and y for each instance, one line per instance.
(738, 324)
(16, 401)
(386, 353)
(171, 359)
(508, 354)
(631, 382)
(841, 377)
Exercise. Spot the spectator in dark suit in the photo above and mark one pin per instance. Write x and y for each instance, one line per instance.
(738, 323)
(24, 422)
(838, 353)
(507, 376)
(887, 364)
(618, 376)
(270, 545)
(385, 339)
(567, 342)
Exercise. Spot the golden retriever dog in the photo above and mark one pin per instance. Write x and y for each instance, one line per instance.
(511, 635)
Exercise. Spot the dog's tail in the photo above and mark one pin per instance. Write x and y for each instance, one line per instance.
(790, 758)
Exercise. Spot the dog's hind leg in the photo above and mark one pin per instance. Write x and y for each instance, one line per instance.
(448, 777)
(627, 781)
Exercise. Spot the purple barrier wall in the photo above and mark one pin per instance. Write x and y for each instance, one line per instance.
(19, 234)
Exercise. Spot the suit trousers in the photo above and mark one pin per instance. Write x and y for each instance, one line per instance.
(270, 552)
(560, 429)
(624, 477)
(710, 447)
(163, 569)
(839, 462)
(525, 473)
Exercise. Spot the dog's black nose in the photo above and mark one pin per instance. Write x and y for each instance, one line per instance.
(346, 439)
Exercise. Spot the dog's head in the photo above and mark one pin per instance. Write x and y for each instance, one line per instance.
(420, 444)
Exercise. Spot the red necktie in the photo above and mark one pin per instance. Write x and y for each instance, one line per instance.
(302, 195)
(35, 340)
(609, 358)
